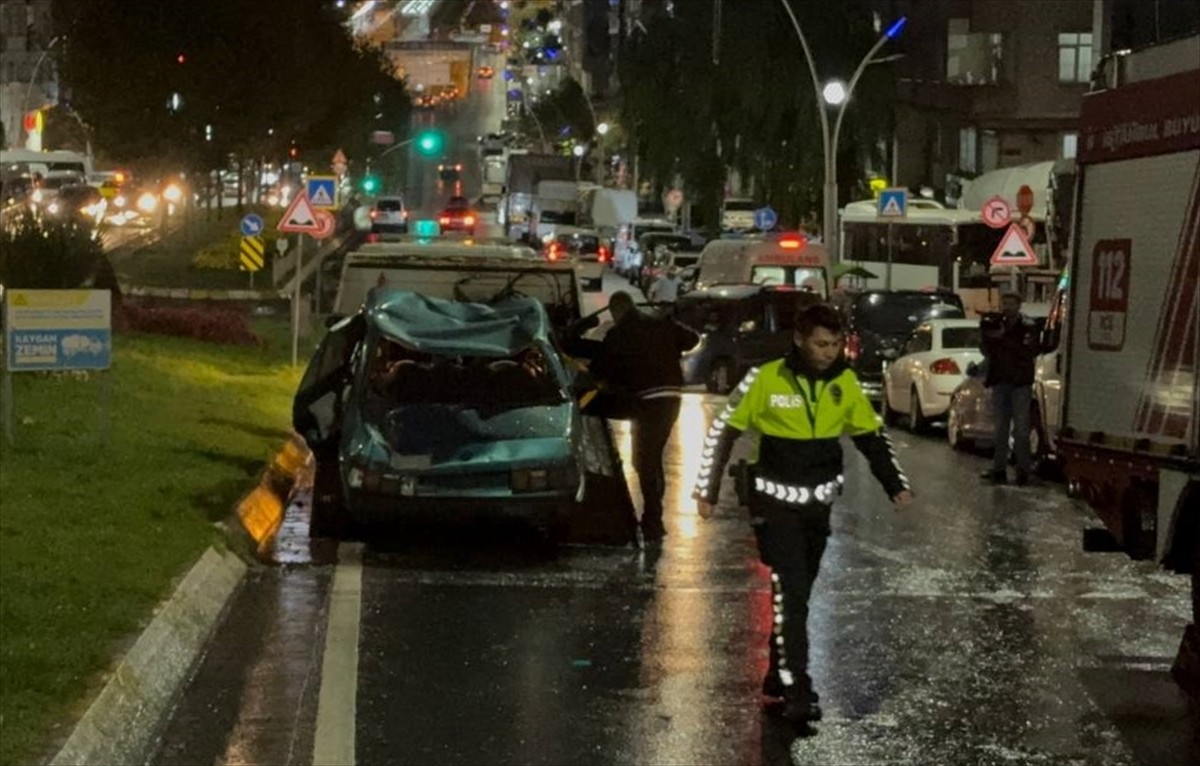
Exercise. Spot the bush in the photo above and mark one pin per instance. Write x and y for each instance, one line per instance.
(37, 254)
(207, 322)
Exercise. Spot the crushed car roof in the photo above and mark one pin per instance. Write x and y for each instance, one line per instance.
(456, 328)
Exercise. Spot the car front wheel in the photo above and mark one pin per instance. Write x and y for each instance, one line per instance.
(328, 516)
(954, 434)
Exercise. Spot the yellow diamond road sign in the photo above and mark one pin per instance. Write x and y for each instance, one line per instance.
(251, 254)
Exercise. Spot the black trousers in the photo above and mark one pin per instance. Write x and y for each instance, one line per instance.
(791, 541)
(651, 428)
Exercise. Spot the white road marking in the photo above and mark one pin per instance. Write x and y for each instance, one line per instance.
(333, 744)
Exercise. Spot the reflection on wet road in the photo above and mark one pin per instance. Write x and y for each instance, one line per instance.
(968, 630)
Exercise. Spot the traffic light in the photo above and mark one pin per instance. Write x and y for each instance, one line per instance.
(430, 143)
(370, 184)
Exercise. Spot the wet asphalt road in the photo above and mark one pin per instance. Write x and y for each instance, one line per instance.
(970, 629)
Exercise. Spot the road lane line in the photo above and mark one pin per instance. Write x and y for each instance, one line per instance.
(333, 744)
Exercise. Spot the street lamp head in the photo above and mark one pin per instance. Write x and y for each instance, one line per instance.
(578, 150)
(602, 128)
(834, 92)
(894, 30)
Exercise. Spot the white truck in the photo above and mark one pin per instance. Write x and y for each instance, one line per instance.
(1129, 439)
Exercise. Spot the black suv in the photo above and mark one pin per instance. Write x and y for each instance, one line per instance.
(740, 326)
(879, 321)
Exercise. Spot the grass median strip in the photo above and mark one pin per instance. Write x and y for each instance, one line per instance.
(97, 521)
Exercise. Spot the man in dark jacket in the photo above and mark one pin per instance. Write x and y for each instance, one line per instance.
(1010, 347)
(639, 363)
(801, 405)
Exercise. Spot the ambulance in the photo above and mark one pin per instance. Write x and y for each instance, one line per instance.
(783, 258)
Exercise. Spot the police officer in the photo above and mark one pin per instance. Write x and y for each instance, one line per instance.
(639, 362)
(800, 405)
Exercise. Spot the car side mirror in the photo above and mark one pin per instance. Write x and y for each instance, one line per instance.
(1049, 340)
(333, 319)
(973, 369)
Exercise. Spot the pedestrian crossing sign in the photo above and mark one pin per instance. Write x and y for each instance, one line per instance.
(893, 203)
(322, 192)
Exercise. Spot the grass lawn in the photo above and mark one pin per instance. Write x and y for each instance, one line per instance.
(169, 262)
(94, 533)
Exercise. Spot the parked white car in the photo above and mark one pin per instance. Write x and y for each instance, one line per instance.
(919, 384)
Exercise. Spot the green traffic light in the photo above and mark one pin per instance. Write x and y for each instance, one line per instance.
(370, 184)
(429, 143)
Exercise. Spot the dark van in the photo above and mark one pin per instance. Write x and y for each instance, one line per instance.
(740, 326)
(879, 321)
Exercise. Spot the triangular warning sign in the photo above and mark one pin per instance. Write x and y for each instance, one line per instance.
(892, 207)
(321, 197)
(1014, 249)
(300, 217)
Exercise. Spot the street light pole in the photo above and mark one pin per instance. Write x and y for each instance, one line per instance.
(32, 76)
(830, 141)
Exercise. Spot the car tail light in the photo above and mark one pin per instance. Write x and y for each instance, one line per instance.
(554, 252)
(469, 220)
(853, 346)
(603, 256)
(374, 214)
(945, 367)
(444, 220)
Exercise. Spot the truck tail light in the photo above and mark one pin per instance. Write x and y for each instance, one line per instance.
(853, 346)
(945, 367)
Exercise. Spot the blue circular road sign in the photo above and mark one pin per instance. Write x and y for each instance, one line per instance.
(765, 218)
(252, 225)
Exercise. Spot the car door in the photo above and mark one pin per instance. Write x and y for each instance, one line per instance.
(753, 333)
(320, 399)
(903, 371)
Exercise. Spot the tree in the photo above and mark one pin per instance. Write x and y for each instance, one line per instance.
(193, 83)
(754, 108)
(48, 255)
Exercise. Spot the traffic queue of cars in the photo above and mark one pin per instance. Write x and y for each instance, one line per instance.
(444, 382)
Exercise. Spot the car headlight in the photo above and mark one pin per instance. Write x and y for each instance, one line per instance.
(147, 202)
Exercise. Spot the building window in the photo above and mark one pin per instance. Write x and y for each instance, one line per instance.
(1074, 56)
(1070, 142)
(972, 58)
(968, 152)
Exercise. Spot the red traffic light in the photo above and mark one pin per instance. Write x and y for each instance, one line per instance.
(180, 58)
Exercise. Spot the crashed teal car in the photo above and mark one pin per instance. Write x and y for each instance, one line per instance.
(422, 407)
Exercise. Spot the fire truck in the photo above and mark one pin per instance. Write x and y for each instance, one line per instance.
(1129, 442)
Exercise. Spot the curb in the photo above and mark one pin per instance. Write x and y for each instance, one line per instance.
(122, 724)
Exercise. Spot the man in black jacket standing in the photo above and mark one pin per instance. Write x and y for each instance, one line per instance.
(639, 363)
(1010, 346)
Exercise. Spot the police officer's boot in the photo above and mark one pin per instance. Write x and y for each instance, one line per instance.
(801, 705)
